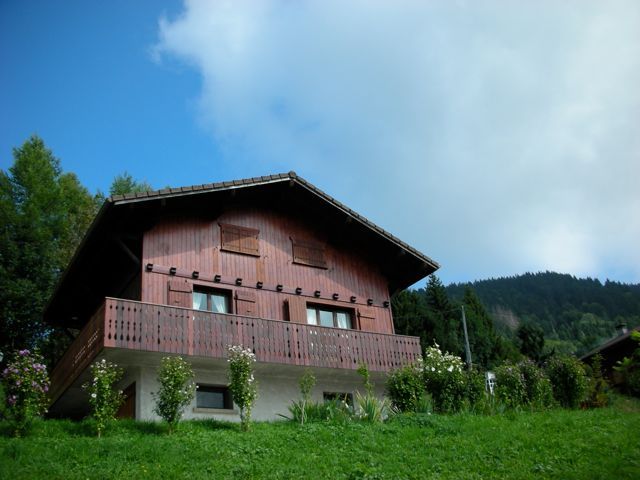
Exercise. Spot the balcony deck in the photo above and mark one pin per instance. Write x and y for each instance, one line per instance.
(141, 326)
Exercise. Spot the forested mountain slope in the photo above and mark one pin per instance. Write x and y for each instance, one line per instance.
(575, 314)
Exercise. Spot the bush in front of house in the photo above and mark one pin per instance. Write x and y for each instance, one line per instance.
(568, 380)
(104, 399)
(26, 386)
(510, 389)
(598, 390)
(444, 379)
(523, 384)
(177, 390)
(405, 387)
(369, 407)
(242, 383)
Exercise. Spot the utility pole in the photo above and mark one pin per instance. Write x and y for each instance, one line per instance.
(466, 338)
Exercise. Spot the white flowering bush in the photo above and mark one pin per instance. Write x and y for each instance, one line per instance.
(27, 384)
(242, 382)
(104, 399)
(444, 379)
(177, 390)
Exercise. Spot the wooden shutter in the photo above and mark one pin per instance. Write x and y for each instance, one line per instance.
(297, 309)
(246, 303)
(367, 318)
(308, 253)
(179, 294)
(239, 239)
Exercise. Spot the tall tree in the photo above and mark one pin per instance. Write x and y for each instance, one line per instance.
(482, 335)
(443, 318)
(531, 340)
(125, 183)
(43, 215)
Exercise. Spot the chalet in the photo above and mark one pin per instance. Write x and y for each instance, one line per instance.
(270, 263)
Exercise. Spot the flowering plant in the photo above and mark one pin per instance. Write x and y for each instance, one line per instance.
(103, 398)
(177, 389)
(27, 384)
(242, 382)
(444, 379)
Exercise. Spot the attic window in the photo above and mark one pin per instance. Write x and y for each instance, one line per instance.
(308, 253)
(239, 239)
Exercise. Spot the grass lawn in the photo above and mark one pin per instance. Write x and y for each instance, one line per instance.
(559, 444)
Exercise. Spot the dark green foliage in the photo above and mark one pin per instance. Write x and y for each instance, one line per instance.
(598, 391)
(575, 314)
(531, 341)
(629, 370)
(43, 215)
(510, 389)
(568, 380)
(405, 388)
(474, 388)
(482, 335)
(431, 315)
(125, 183)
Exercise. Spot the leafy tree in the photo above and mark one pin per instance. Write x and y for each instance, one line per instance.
(43, 215)
(125, 183)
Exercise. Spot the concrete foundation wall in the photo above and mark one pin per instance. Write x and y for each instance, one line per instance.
(278, 385)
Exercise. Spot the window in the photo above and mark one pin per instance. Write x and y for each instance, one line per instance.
(239, 239)
(211, 300)
(328, 317)
(212, 396)
(338, 397)
(308, 253)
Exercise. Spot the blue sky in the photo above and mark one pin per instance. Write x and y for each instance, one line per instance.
(497, 137)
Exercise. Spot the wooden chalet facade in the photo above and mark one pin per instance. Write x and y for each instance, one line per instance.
(270, 263)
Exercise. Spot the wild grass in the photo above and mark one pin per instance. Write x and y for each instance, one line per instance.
(563, 444)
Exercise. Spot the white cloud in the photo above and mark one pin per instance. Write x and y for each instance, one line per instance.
(497, 137)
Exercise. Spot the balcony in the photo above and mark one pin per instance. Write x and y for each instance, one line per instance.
(148, 327)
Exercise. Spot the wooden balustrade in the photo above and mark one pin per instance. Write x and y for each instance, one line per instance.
(79, 355)
(160, 328)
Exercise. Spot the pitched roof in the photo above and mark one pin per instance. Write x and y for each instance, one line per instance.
(103, 259)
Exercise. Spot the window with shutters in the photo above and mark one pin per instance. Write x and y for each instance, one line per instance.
(326, 316)
(235, 238)
(308, 253)
(211, 300)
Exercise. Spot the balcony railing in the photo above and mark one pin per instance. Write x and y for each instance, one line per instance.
(160, 328)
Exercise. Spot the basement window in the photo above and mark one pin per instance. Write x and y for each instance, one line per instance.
(214, 396)
(344, 397)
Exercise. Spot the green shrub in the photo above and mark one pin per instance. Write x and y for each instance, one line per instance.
(300, 410)
(474, 389)
(510, 388)
(368, 407)
(26, 384)
(538, 390)
(405, 387)
(568, 380)
(177, 390)
(598, 391)
(242, 382)
(103, 398)
(444, 379)
(629, 370)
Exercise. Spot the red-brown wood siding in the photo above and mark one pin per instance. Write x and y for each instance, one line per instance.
(194, 245)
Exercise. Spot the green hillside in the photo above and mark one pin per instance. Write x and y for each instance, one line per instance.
(575, 314)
